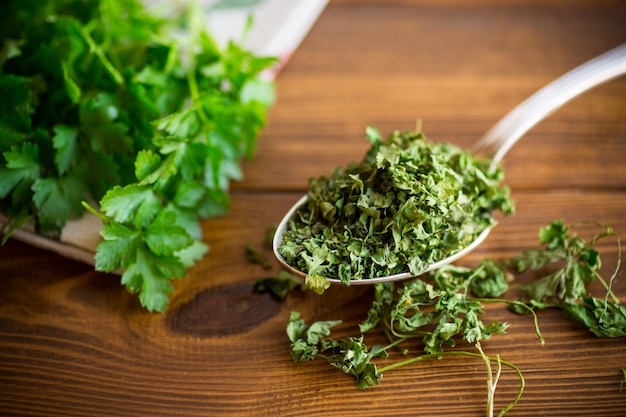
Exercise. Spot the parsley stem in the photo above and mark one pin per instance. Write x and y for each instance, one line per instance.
(519, 304)
(95, 212)
(396, 343)
(609, 286)
(465, 353)
(195, 28)
(195, 95)
(492, 381)
(415, 359)
(97, 51)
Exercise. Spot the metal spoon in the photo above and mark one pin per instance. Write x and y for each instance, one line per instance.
(500, 138)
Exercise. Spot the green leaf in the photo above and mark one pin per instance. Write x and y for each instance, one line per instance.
(184, 124)
(16, 107)
(71, 87)
(491, 280)
(353, 357)
(191, 254)
(164, 236)
(380, 308)
(553, 235)
(153, 286)
(22, 168)
(146, 163)
(305, 338)
(66, 146)
(317, 283)
(189, 194)
(296, 327)
(109, 138)
(169, 267)
(258, 90)
(312, 333)
(147, 257)
(602, 318)
(133, 203)
(577, 264)
(58, 200)
(100, 124)
(118, 249)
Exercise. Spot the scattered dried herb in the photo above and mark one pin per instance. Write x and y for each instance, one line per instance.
(280, 285)
(577, 263)
(352, 355)
(253, 255)
(408, 204)
(439, 309)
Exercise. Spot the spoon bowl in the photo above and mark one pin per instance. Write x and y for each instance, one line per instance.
(282, 227)
(497, 142)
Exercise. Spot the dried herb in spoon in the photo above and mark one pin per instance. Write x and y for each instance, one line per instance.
(408, 204)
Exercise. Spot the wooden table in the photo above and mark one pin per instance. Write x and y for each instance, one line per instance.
(73, 342)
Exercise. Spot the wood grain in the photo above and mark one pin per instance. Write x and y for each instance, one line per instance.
(458, 69)
(73, 342)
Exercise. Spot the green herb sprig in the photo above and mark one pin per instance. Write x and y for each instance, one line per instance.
(105, 102)
(577, 263)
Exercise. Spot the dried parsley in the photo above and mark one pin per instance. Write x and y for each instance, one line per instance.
(408, 204)
(279, 285)
(577, 263)
(445, 306)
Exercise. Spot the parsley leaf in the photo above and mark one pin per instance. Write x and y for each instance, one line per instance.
(349, 354)
(602, 318)
(150, 255)
(305, 338)
(57, 200)
(20, 173)
(577, 264)
(489, 279)
(253, 255)
(280, 285)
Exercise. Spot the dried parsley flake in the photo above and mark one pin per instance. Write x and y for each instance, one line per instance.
(410, 203)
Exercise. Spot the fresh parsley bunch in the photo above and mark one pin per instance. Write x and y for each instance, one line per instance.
(105, 102)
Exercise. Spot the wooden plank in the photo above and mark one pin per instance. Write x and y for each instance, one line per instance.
(74, 342)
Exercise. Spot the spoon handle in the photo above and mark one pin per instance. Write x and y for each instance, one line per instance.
(506, 132)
